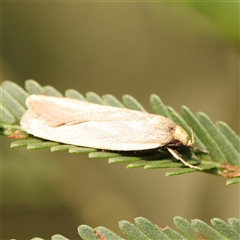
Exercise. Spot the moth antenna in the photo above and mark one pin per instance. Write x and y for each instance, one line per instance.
(192, 142)
(176, 155)
(192, 137)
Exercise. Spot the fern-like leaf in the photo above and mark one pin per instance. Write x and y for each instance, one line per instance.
(218, 139)
(143, 229)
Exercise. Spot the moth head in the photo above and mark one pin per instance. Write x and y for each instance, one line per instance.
(181, 136)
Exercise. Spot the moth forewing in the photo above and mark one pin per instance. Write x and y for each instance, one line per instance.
(86, 124)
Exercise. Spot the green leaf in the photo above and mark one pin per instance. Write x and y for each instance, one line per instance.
(11, 104)
(6, 116)
(180, 172)
(214, 150)
(128, 157)
(71, 93)
(172, 234)
(150, 229)
(16, 91)
(233, 181)
(229, 134)
(136, 165)
(51, 91)
(62, 147)
(131, 103)
(110, 100)
(186, 229)
(58, 237)
(205, 231)
(124, 159)
(34, 87)
(226, 147)
(81, 150)
(131, 231)
(205, 167)
(25, 142)
(87, 233)
(107, 234)
(158, 106)
(94, 98)
(40, 145)
(103, 155)
(226, 230)
(164, 164)
(235, 224)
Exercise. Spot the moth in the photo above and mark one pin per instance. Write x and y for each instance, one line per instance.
(85, 124)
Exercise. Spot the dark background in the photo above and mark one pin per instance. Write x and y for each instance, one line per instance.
(187, 53)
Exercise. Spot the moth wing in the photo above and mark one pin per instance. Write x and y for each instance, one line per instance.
(65, 111)
(84, 124)
(114, 135)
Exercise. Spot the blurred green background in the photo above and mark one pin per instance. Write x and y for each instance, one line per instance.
(187, 53)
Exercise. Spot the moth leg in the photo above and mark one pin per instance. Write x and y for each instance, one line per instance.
(199, 150)
(176, 155)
